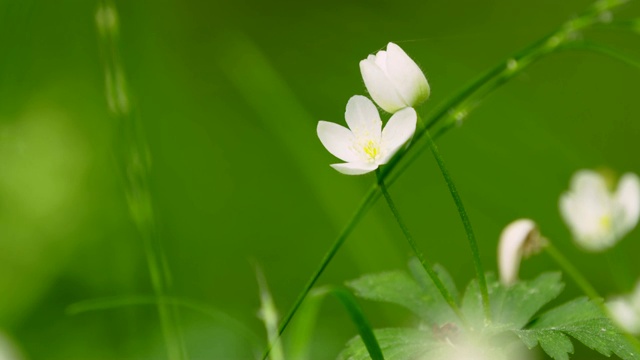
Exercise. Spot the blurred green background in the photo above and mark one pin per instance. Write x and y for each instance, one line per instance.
(229, 94)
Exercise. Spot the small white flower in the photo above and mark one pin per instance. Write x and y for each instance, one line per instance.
(519, 239)
(625, 311)
(365, 146)
(393, 80)
(597, 217)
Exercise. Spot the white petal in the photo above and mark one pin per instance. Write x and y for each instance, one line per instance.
(510, 249)
(588, 210)
(407, 77)
(381, 60)
(590, 184)
(363, 117)
(380, 87)
(397, 132)
(355, 168)
(628, 199)
(338, 140)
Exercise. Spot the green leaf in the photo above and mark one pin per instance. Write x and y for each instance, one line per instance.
(517, 304)
(427, 284)
(398, 287)
(582, 320)
(511, 306)
(396, 344)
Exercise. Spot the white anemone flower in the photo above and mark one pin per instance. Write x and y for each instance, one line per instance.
(393, 80)
(365, 145)
(597, 217)
(625, 311)
(519, 239)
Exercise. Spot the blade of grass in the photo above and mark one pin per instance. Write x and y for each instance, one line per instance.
(357, 317)
(134, 160)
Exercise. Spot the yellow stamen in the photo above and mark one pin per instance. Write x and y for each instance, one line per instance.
(372, 149)
(605, 221)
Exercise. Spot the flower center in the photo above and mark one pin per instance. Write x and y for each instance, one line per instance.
(372, 149)
(605, 221)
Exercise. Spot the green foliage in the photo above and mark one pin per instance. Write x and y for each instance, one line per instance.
(441, 335)
(582, 320)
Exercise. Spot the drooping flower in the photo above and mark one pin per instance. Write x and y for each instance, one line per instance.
(625, 311)
(519, 239)
(596, 216)
(365, 145)
(394, 80)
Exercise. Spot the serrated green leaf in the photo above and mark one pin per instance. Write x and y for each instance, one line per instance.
(511, 307)
(398, 287)
(427, 284)
(517, 304)
(396, 344)
(582, 320)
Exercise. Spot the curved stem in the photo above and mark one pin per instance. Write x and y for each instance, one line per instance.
(473, 244)
(425, 264)
(574, 273)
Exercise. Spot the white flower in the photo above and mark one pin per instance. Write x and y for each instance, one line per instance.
(625, 311)
(393, 80)
(519, 239)
(365, 146)
(597, 217)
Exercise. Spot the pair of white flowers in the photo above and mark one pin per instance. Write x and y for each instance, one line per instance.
(396, 84)
(597, 216)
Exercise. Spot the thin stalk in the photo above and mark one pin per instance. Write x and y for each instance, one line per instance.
(505, 71)
(473, 244)
(604, 50)
(134, 161)
(364, 206)
(425, 264)
(574, 273)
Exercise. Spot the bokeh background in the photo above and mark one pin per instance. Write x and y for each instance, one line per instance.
(229, 94)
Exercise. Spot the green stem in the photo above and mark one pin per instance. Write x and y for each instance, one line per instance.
(604, 50)
(425, 264)
(367, 202)
(574, 273)
(473, 244)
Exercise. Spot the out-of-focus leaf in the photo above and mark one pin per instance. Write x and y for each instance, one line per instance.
(582, 320)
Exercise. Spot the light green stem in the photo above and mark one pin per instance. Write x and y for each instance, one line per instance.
(473, 244)
(425, 263)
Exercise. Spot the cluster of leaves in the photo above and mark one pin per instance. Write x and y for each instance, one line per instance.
(515, 319)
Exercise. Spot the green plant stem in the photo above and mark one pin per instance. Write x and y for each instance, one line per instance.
(425, 264)
(134, 162)
(367, 202)
(504, 72)
(473, 244)
(574, 273)
(604, 50)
